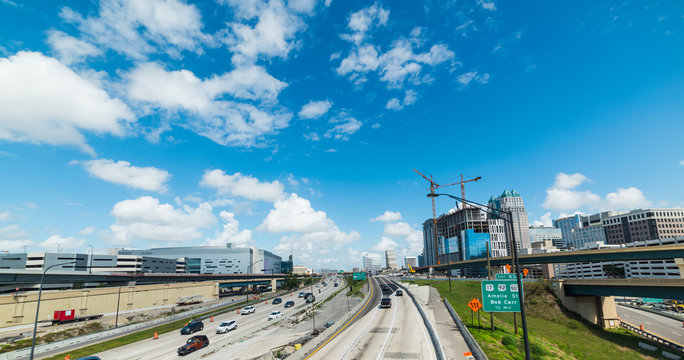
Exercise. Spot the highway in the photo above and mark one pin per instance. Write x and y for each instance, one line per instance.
(382, 333)
(220, 345)
(660, 325)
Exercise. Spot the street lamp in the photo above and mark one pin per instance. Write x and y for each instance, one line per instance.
(40, 292)
(90, 267)
(249, 269)
(514, 248)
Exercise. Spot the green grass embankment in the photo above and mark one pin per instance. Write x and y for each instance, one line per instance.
(555, 333)
(356, 286)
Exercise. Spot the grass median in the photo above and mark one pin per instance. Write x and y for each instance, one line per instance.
(554, 332)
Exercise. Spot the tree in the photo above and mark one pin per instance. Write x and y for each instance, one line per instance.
(290, 281)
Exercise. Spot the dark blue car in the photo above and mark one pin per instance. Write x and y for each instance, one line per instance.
(192, 327)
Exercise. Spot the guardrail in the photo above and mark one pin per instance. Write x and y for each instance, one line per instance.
(433, 334)
(651, 336)
(474, 347)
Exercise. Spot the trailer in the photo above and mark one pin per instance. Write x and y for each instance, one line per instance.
(67, 316)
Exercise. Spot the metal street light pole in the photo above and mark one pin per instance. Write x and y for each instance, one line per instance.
(90, 267)
(249, 269)
(40, 292)
(514, 248)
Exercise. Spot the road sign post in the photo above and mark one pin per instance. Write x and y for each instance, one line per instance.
(500, 296)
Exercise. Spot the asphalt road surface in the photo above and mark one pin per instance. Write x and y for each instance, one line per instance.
(394, 333)
(166, 346)
(660, 325)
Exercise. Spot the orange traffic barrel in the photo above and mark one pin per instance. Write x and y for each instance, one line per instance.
(156, 336)
(212, 319)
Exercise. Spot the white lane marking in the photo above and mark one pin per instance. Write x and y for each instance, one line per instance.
(389, 333)
(676, 333)
(361, 334)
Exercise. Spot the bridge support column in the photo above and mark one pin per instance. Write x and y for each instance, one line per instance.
(273, 285)
(680, 264)
(599, 310)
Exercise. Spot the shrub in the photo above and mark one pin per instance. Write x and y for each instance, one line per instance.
(509, 341)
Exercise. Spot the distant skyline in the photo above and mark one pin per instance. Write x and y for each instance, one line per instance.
(296, 124)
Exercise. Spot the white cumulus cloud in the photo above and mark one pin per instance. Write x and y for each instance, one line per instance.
(43, 101)
(544, 220)
(564, 196)
(62, 243)
(145, 218)
(385, 244)
(215, 107)
(241, 185)
(13, 238)
(139, 28)
(387, 216)
(315, 109)
(123, 173)
(69, 49)
(346, 125)
(231, 233)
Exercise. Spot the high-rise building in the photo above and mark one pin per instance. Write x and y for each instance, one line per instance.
(513, 202)
(411, 261)
(421, 260)
(545, 233)
(566, 225)
(583, 236)
(391, 259)
(371, 263)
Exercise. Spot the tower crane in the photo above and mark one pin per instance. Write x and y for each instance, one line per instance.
(433, 187)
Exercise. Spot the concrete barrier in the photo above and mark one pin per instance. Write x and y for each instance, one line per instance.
(474, 347)
(653, 337)
(433, 334)
(314, 343)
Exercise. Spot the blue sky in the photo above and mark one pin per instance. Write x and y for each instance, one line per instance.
(296, 124)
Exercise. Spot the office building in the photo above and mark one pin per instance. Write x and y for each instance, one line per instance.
(545, 233)
(566, 225)
(411, 261)
(643, 225)
(372, 263)
(40, 261)
(513, 202)
(421, 261)
(391, 259)
(217, 259)
(583, 236)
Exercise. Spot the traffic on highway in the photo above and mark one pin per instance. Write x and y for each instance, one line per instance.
(226, 335)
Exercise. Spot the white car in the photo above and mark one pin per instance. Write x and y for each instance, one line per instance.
(226, 327)
(247, 310)
(275, 315)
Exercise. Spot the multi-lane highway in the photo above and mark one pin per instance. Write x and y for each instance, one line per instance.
(382, 333)
(221, 345)
(660, 325)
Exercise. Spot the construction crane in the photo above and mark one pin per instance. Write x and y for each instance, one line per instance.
(433, 187)
(462, 182)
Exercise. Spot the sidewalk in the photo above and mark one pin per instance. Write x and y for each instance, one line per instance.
(451, 339)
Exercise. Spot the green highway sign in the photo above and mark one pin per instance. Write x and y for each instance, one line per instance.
(652, 300)
(500, 296)
(506, 277)
(359, 276)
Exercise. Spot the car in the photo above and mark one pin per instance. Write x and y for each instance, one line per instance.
(274, 315)
(329, 324)
(399, 293)
(194, 343)
(301, 294)
(89, 358)
(247, 310)
(226, 327)
(277, 301)
(191, 327)
(336, 285)
(385, 302)
(289, 304)
(309, 297)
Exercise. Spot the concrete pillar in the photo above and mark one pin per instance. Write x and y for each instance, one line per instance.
(273, 285)
(598, 310)
(680, 264)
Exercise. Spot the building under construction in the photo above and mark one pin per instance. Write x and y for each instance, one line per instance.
(463, 235)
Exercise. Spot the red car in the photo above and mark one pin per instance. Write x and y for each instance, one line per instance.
(194, 343)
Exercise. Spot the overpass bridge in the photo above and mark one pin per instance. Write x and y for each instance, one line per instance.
(662, 252)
